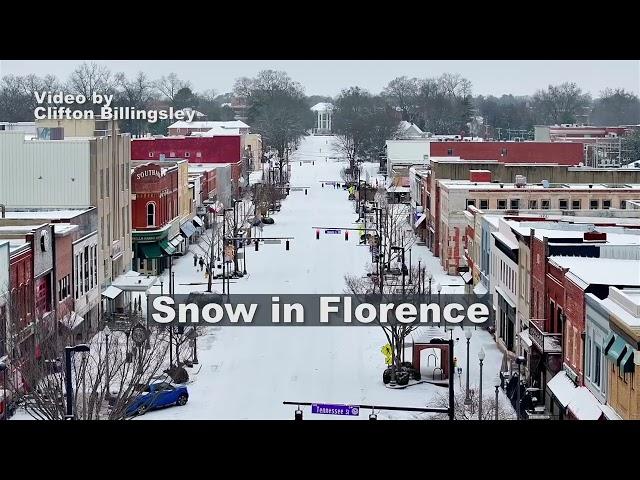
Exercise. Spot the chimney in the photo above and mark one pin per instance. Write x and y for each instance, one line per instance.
(595, 236)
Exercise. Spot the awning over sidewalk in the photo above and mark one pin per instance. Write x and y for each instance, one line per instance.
(480, 289)
(584, 406)
(167, 247)
(610, 413)
(524, 335)
(151, 250)
(467, 277)
(187, 229)
(420, 220)
(562, 388)
(616, 350)
(174, 242)
(111, 292)
(198, 221)
(73, 320)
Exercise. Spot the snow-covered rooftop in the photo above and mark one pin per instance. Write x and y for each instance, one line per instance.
(601, 271)
(46, 214)
(59, 229)
(209, 125)
(475, 186)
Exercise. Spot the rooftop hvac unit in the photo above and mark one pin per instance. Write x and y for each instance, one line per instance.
(521, 180)
(162, 157)
(545, 183)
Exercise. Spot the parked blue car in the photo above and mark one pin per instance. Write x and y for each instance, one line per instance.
(158, 395)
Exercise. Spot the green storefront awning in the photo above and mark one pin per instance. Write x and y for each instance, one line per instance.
(615, 351)
(167, 247)
(626, 364)
(151, 250)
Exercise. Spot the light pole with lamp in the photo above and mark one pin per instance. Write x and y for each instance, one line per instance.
(107, 333)
(5, 401)
(467, 333)
(520, 360)
(68, 352)
(481, 356)
(497, 387)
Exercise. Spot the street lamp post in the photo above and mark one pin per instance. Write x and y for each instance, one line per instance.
(481, 356)
(497, 387)
(5, 402)
(107, 332)
(68, 352)
(467, 334)
(520, 361)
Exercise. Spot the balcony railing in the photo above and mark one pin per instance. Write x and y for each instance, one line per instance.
(545, 342)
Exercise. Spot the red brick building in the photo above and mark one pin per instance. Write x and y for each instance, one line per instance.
(197, 150)
(512, 152)
(155, 196)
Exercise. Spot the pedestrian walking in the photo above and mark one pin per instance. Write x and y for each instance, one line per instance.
(195, 260)
(201, 263)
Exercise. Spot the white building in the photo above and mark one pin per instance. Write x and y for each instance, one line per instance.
(74, 173)
(504, 273)
(408, 130)
(402, 154)
(28, 128)
(324, 113)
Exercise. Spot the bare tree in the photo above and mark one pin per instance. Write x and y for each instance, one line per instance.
(393, 234)
(470, 412)
(170, 85)
(90, 78)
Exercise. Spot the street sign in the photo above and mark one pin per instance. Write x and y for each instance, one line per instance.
(333, 231)
(272, 241)
(331, 409)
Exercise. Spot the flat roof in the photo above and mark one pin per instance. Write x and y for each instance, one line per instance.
(601, 271)
(555, 187)
(47, 214)
(59, 228)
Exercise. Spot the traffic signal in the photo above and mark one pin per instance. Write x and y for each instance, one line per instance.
(346, 235)
(299, 415)
(287, 244)
(317, 234)
(257, 243)
(305, 191)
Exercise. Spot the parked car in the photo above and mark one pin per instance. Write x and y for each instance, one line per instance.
(158, 395)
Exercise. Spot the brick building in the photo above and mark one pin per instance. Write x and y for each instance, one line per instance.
(220, 149)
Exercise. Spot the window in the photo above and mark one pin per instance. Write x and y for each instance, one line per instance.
(172, 154)
(86, 270)
(514, 204)
(150, 154)
(502, 204)
(503, 152)
(564, 204)
(151, 214)
(623, 204)
(471, 202)
(449, 151)
(101, 183)
(593, 205)
(606, 204)
(587, 353)
(198, 154)
(187, 154)
(107, 186)
(484, 204)
(545, 204)
(533, 204)
(576, 205)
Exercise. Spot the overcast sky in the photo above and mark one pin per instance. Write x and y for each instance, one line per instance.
(328, 77)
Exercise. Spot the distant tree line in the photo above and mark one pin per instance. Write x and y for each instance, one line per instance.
(277, 107)
(18, 102)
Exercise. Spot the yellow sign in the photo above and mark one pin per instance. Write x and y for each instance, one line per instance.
(387, 351)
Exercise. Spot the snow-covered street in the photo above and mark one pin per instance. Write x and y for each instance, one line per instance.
(246, 373)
